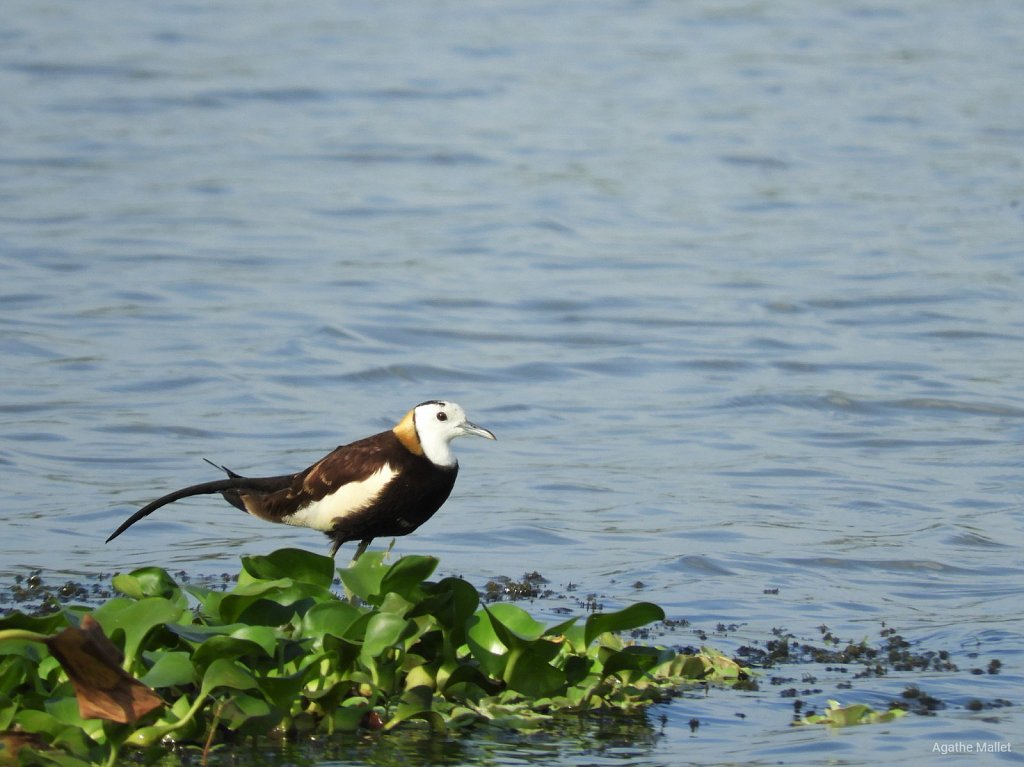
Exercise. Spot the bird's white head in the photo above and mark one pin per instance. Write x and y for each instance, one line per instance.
(435, 425)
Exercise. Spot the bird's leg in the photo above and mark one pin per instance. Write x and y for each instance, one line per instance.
(387, 554)
(361, 548)
(352, 598)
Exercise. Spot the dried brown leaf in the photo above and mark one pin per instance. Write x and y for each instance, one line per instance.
(93, 663)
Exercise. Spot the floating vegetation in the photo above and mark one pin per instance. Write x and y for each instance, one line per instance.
(278, 654)
(838, 715)
(273, 655)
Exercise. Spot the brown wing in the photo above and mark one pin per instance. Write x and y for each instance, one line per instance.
(349, 463)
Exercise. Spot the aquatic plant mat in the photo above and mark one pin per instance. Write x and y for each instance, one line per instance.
(284, 653)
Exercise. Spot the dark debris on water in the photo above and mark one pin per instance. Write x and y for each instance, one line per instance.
(859, 660)
(530, 586)
(35, 595)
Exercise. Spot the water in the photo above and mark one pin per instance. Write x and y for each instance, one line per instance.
(737, 285)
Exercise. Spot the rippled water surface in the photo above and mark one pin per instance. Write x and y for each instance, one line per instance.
(737, 285)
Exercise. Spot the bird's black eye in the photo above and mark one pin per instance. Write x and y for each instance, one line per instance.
(442, 416)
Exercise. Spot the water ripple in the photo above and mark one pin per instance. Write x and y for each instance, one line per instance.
(880, 565)
(841, 401)
(410, 373)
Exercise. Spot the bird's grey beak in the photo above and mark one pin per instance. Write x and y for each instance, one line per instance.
(479, 431)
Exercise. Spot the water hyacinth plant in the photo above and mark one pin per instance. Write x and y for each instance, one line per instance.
(281, 654)
(838, 715)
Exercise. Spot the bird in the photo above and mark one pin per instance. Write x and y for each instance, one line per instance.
(386, 485)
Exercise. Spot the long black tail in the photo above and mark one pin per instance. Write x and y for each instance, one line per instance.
(217, 486)
(229, 486)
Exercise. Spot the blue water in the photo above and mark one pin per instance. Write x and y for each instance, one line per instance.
(737, 285)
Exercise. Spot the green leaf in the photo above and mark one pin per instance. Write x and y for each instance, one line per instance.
(135, 619)
(7, 712)
(722, 666)
(563, 628)
(508, 644)
(283, 691)
(65, 710)
(333, 617)
(634, 616)
(635, 658)
(38, 721)
(530, 673)
(79, 734)
(707, 665)
(248, 714)
(390, 602)
(450, 601)
(349, 715)
(147, 582)
(513, 624)
(226, 673)
(46, 624)
(838, 715)
(577, 668)
(420, 676)
(197, 633)
(383, 631)
(362, 578)
(263, 636)
(416, 703)
(221, 646)
(270, 603)
(575, 635)
(405, 576)
(209, 599)
(480, 635)
(512, 716)
(172, 669)
(299, 565)
(32, 650)
(468, 675)
(357, 629)
(31, 758)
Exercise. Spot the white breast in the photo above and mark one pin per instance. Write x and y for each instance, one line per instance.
(347, 499)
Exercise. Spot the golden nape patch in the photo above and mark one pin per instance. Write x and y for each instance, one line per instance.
(406, 433)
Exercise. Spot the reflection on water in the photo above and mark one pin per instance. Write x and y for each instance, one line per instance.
(627, 739)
